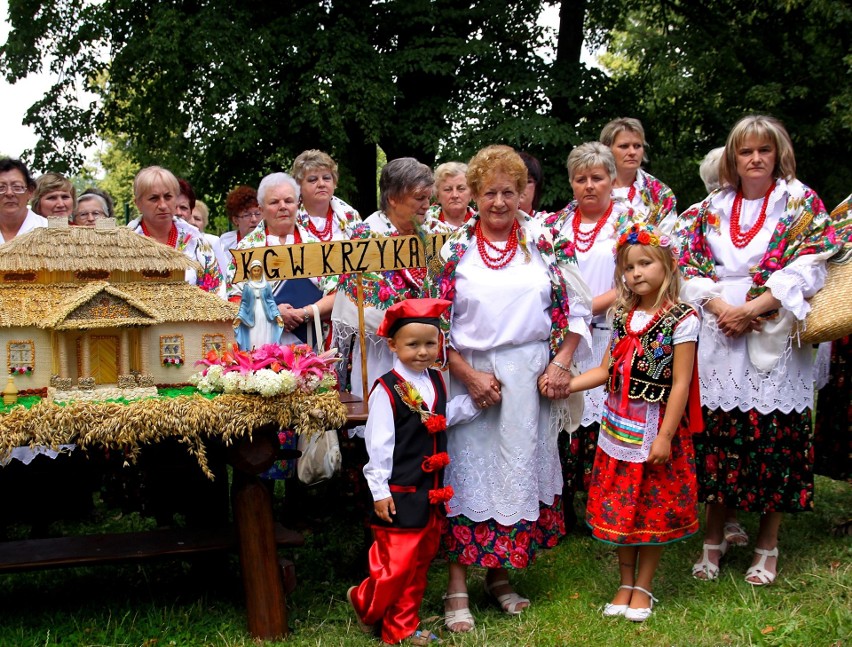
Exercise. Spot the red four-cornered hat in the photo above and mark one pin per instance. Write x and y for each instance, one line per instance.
(426, 311)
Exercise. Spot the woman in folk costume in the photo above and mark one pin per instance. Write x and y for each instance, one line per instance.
(753, 252)
(407, 444)
(321, 212)
(405, 186)
(297, 299)
(520, 309)
(591, 221)
(645, 194)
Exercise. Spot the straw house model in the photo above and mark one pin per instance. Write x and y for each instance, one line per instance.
(103, 302)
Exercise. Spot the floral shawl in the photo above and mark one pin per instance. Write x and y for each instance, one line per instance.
(841, 220)
(383, 289)
(657, 197)
(192, 244)
(567, 287)
(436, 212)
(804, 228)
(345, 215)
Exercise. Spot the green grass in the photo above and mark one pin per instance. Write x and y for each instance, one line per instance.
(174, 603)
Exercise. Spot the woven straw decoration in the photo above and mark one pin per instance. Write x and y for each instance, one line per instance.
(830, 317)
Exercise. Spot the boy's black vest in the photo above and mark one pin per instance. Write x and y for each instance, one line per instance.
(409, 484)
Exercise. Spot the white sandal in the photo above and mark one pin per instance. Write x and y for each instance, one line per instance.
(508, 601)
(705, 567)
(641, 615)
(458, 616)
(759, 570)
(735, 534)
(612, 610)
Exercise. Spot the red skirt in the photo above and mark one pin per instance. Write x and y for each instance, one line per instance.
(638, 503)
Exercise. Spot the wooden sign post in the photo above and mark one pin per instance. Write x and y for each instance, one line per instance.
(310, 260)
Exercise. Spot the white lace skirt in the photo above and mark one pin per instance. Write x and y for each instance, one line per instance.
(506, 461)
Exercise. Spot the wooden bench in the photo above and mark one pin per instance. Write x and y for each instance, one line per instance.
(85, 550)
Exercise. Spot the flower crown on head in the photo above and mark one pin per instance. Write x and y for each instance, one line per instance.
(641, 233)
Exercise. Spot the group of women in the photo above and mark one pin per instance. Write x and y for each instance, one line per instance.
(531, 293)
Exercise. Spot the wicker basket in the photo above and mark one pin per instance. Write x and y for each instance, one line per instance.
(830, 317)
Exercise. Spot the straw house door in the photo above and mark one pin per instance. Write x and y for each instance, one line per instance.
(103, 358)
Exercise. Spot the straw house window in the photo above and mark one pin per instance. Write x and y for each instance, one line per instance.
(212, 342)
(171, 350)
(20, 357)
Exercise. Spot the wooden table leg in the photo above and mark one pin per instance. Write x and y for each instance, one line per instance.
(266, 606)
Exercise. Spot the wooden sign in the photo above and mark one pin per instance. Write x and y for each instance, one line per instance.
(338, 257)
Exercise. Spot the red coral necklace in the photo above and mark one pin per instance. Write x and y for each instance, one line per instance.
(738, 237)
(173, 234)
(583, 241)
(325, 233)
(502, 257)
(631, 193)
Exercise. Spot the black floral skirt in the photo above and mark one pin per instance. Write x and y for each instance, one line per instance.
(577, 456)
(755, 462)
(833, 433)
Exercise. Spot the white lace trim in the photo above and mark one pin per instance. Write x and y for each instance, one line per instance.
(629, 454)
(788, 289)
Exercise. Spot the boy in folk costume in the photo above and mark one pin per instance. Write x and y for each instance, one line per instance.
(406, 442)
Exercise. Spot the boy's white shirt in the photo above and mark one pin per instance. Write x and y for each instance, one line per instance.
(380, 435)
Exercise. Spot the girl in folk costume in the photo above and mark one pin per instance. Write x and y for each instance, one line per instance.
(407, 445)
(643, 492)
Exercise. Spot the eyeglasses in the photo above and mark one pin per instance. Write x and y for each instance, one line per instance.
(16, 188)
(248, 214)
(91, 214)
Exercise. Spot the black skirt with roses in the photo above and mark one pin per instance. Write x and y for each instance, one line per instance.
(755, 462)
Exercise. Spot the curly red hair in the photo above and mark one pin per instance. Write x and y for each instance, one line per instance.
(239, 199)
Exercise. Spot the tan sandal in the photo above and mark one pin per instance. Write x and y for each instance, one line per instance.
(704, 569)
(508, 601)
(735, 534)
(454, 617)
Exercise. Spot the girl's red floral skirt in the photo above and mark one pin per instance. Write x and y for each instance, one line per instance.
(492, 545)
(638, 503)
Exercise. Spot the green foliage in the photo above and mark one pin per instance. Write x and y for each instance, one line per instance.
(691, 69)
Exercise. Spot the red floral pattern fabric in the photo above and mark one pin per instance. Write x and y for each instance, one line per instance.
(492, 545)
(755, 462)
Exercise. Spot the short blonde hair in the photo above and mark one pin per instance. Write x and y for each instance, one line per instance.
(312, 160)
(447, 170)
(624, 124)
(204, 210)
(496, 159)
(149, 177)
(589, 155)
(763, 127)
(48, 183)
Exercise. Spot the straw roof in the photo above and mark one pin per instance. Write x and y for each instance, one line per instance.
(70, 306)
(70, 249)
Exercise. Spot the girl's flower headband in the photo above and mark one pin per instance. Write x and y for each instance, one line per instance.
(641, 233)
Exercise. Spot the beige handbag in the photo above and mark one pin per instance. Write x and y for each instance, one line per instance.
(830, 317)
(321, 458)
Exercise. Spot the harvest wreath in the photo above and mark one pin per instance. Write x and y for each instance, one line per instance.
(304, 400)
